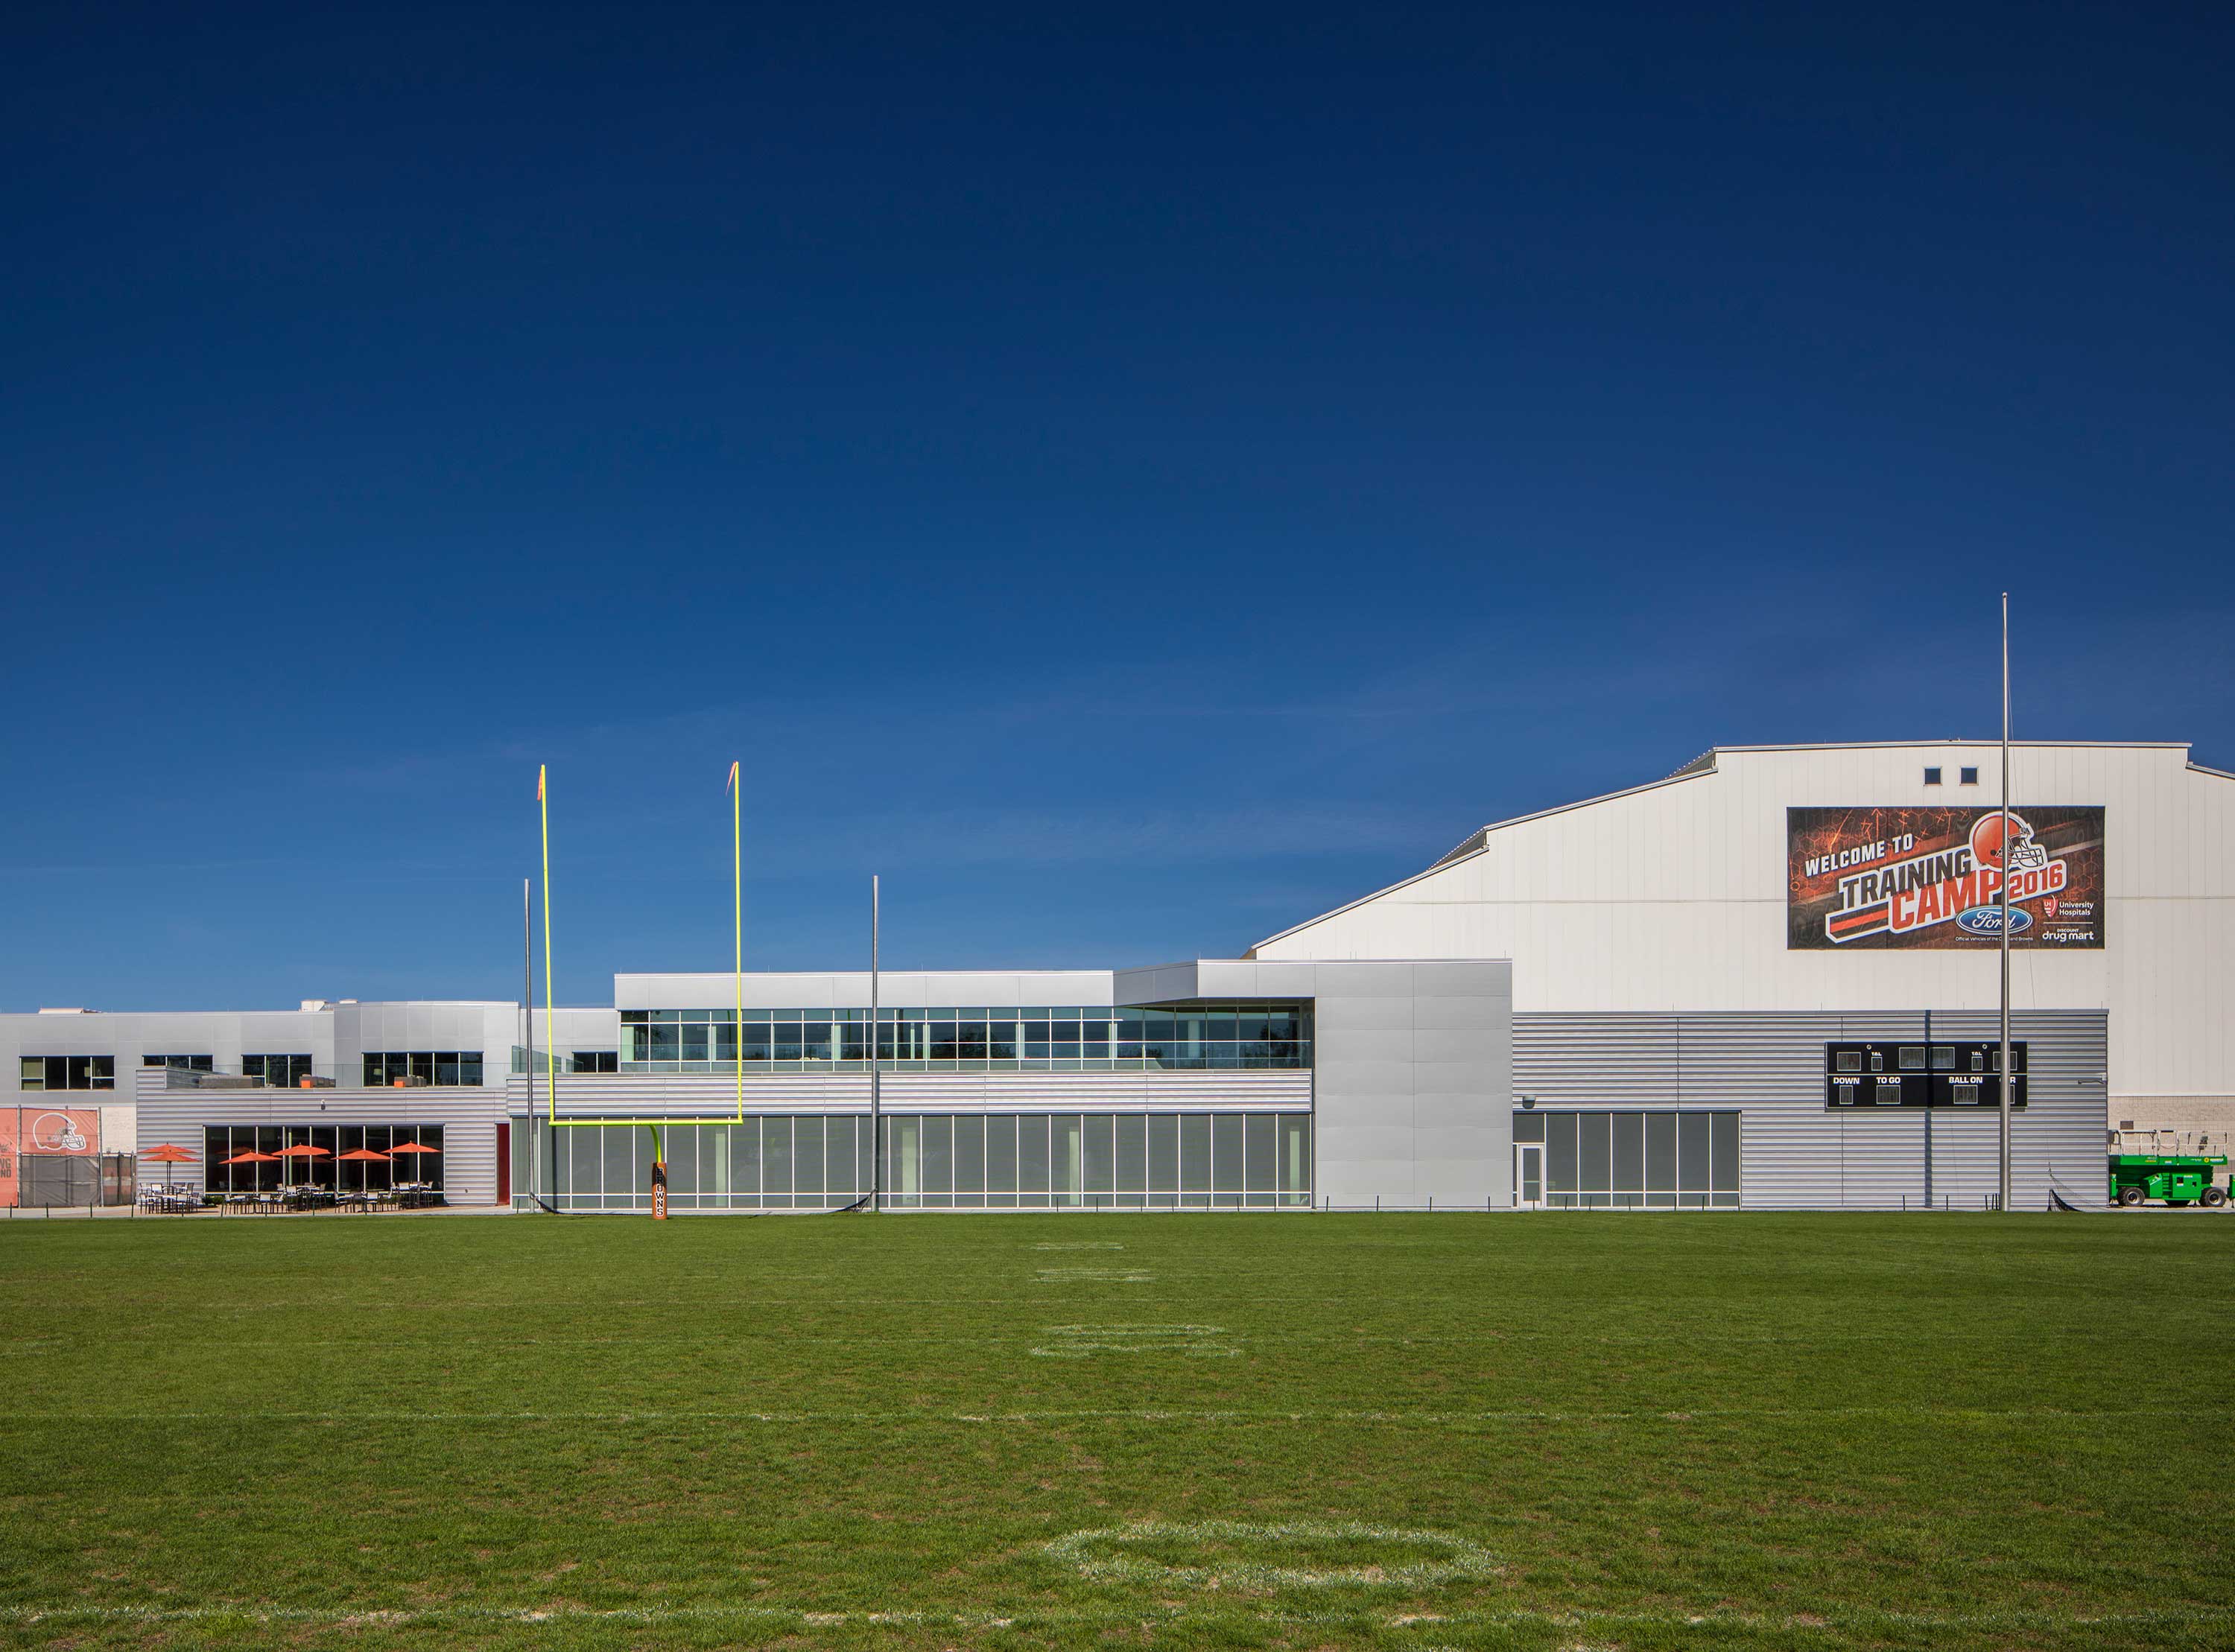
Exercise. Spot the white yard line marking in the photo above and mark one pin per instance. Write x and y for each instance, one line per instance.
(1117, 1276)
(1027, 1616)
(1082, 1341)
(1102, 1555)
(1430, 1418)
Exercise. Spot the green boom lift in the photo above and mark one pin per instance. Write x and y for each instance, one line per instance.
(2145, 1165)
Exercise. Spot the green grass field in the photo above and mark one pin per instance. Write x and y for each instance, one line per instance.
(1259, 1430)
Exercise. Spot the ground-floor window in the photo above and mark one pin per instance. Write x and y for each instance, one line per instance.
(263, 1158)
(932, 1161)
(1592, 1160)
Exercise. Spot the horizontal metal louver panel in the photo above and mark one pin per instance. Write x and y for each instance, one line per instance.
(1796, 1152)
(637, 1095)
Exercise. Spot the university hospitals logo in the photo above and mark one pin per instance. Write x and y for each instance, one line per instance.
(1960, 886)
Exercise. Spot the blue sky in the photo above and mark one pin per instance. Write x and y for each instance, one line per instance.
(1136, 478)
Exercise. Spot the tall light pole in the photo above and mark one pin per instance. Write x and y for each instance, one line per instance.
(876, 1042)
(2008, 1085)
(528, 1023)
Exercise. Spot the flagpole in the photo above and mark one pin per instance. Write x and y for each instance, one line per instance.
(550, 1043)
(2009, 1087)
(738, 888)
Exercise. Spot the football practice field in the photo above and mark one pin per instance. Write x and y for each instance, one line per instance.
(1243, 1430)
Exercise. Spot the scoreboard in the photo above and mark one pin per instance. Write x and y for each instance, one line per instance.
(1921, 1074)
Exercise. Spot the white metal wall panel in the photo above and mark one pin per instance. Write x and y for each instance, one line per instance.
(896, 988)
(1671, 898)
(224, 1035)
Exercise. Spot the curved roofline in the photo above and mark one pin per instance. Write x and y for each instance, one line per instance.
(1964, 740)
(1475, 842)
(1474, 845)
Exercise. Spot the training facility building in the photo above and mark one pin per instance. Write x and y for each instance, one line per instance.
(1769, 980)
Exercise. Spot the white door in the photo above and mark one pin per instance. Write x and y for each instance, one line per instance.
(1529, 1175)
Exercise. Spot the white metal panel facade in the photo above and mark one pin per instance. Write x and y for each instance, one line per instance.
(849, 989)
(1671, 898)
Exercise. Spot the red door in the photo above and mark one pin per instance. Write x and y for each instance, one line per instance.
(504, 1163)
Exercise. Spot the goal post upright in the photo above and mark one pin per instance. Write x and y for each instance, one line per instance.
(656, 1125)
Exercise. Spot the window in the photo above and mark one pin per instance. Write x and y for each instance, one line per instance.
(1968, 776)
(412, 1156)
(69, 1073)
(597, 1060)
(943, 1161)
(1636, 1159)
(384, 1069)
(973, 1038)
(1932, 777)
(278, 1072)
(183, 1063)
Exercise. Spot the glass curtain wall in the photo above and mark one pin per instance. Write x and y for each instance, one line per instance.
(278, 1072)
(1057, 1038)
(939, 1161)
(221, 1142)
(393, 1067)
(1611, 1160)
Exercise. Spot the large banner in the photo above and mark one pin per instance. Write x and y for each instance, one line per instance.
(30, 1133)
(1868, 878)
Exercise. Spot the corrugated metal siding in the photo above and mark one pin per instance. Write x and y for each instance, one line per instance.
(1796, 1152)
(468, 1117)
(634, 1094)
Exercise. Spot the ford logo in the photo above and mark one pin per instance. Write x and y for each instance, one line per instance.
(1988, 920)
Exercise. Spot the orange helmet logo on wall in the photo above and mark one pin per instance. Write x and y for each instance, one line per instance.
(1987, 843)
(57, 1132)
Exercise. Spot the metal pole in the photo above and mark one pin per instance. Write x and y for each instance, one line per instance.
(526, 1023)
(2006, 1092)
(876, 1045)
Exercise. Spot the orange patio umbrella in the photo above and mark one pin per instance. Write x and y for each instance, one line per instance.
(413, 1147)
(304, 1150)
(169, 1154)
(252, 1157)
(367, 1157)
